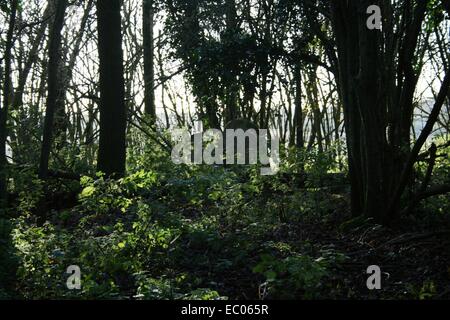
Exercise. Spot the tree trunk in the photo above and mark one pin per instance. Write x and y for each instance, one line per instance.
(32, 57)
(148, 45)
(65, 76)
(54, 86)
(298, 113)
(112, 145)
(231, 64)
(377, 84)
(8, 268)
(20, 137)
(6, 102)
(163, 85)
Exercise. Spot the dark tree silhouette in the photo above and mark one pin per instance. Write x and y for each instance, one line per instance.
(112, 149)
(377, 84)
(148, 46)
(54, 86)
(6, 100)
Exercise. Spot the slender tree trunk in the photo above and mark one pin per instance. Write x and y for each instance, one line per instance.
(20, 137)
(6, 102)
(163, 85)
(32, 56)
(148, 44)
(298, 113)
(66, 72)
(54, 85)
(112, 145)
(313, 97)
(8, 268)
(231, 64)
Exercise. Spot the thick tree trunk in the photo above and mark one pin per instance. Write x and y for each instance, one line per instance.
(377, 88)
(112, 145)
(363, 108)
(344, 22)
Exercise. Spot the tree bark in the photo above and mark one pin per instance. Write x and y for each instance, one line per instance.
(298, 113)
(54, 86)
(377, 79)
(112, 145)
(6, 102)
(231, 63)
(148, 45)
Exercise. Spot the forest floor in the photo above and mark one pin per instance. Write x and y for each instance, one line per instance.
(414, 261)
(218, 234)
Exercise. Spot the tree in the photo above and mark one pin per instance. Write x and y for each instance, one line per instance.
(7, 265)
(148, 46)
(54, 94)
(231, 63)
(297, 135)
(378, 75)
(184, 27)
(112, 144)
(6, 100)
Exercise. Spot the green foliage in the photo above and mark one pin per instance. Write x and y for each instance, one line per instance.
(435, 207)
(8, 260)
(169, 289)
(295, 276)
(424, 292)
(4, 5)
(104, 195)
(183, 232)
(41, 259)
(169, 231)
(28, 188)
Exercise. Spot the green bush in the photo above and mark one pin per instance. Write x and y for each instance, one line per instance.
(297, 276)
